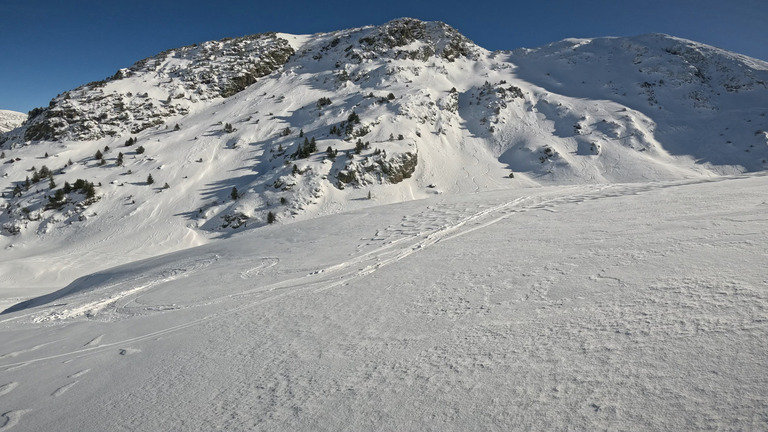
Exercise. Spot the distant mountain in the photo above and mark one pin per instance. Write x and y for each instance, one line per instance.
(226, 135)
(10, 120)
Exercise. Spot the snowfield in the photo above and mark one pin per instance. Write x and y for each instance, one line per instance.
(588, 307)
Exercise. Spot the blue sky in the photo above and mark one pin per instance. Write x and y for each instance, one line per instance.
(50, 46)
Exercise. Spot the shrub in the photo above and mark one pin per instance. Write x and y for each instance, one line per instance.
(139, 149)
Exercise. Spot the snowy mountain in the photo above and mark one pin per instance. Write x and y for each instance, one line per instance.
(391, 228)
(210, 139)
(10, 120)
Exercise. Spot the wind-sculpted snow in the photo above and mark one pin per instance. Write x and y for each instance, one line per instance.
(592, 307)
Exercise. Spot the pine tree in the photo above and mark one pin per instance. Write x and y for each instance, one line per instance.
(270, 218)
(90, 190)
(139, 149)
(51, 183)
(150, 180)
(119, 159)
(234, 194)
(98, 155)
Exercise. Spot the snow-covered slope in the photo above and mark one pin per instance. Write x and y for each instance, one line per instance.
(10, 120)
(588, 307)
(275, 127)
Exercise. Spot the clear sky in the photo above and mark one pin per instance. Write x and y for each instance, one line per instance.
(50, 46)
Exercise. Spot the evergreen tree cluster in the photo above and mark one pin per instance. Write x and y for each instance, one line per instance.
(360, 146)
(43, 173)
(131, 141)
(59, 198)
(306, 149)
(348, 127)
(323, 101)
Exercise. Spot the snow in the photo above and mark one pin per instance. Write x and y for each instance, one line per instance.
(625, 306)
(10, 120)
(614, 282)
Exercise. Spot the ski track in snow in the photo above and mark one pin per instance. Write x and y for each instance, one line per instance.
(61, 390)
(95, 341)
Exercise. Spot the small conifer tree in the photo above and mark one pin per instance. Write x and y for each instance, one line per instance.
(150, 180)
(234, 194)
